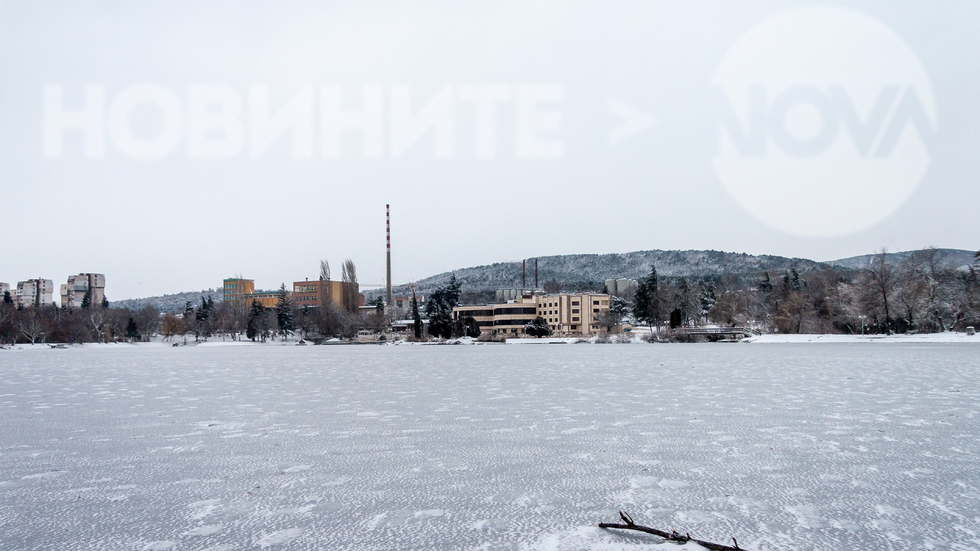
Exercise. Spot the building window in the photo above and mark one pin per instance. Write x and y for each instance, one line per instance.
(574, 303)
(574, 327)
(574, 319)
(595, 302)
(575, 310)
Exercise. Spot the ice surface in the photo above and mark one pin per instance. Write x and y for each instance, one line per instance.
(786, 446)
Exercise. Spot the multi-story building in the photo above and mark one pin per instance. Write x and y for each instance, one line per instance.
(234, 291)
(268, 299)
(573, 314)
(307, 293)
(73, 293)
(5, 288)
(566, 314)
(34, 292)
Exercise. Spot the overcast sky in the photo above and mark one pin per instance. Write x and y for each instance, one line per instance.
(170, 145)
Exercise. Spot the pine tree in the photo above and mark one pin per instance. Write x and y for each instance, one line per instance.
(708, 299)
(105, 302)
(439, 309)
(7, 299)
(255, 326)
(284, 313)
(132, 332)
(416, 317)
(87, 299)
(646, 302)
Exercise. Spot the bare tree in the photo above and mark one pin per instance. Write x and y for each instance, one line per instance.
(31, 327)
(148, 322)
(350, 291)
(97, 320)
(881, 281)
(324, 282)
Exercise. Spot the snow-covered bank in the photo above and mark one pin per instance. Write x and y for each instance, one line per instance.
(907, 338)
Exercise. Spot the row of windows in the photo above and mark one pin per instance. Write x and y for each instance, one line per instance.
(513, 311)
(521, 322)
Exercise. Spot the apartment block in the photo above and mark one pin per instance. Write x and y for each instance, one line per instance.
(5, 288)
(34, 292)
(73, 293)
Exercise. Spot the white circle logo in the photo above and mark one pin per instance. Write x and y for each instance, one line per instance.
(825, 121)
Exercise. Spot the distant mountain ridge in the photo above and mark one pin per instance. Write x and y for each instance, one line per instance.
(588, 271)
(954, 257)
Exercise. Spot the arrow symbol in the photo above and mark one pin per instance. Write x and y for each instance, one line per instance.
(634, 120)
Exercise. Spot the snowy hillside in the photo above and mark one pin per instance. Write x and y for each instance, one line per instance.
(169, 303)
(955, 257)
(587, 271)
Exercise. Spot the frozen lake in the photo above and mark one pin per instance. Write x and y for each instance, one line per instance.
(794, 447)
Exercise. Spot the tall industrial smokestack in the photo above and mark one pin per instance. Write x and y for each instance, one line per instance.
(388, 273)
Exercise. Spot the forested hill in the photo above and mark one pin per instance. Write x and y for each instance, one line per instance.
(954, 257)
(587, 271)
(169, 303)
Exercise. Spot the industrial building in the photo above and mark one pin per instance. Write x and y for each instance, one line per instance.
(621, 286)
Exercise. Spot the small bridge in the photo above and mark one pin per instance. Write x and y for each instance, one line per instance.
(714, 332)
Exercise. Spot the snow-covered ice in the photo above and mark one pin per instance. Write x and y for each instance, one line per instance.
(787, 446)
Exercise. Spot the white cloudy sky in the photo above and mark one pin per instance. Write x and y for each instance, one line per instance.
(608, 134)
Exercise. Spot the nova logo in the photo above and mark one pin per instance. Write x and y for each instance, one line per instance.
(825, 122)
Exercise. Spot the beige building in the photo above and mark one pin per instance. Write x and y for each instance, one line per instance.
(566, 314)
(234, 290)
(34, 292)
(73, 293)
(307, 293)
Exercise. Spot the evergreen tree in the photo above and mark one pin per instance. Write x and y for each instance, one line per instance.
(87, 299)
(538, 327)
(439, 309)
(766, 284)
(132, 332)
(471, 327)
(646, 302)
(203, 318)
(105, 302)
(255, 326)
(284, 313)
(619, 306)
(416, 316)
(708, 299)
(7, 299)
